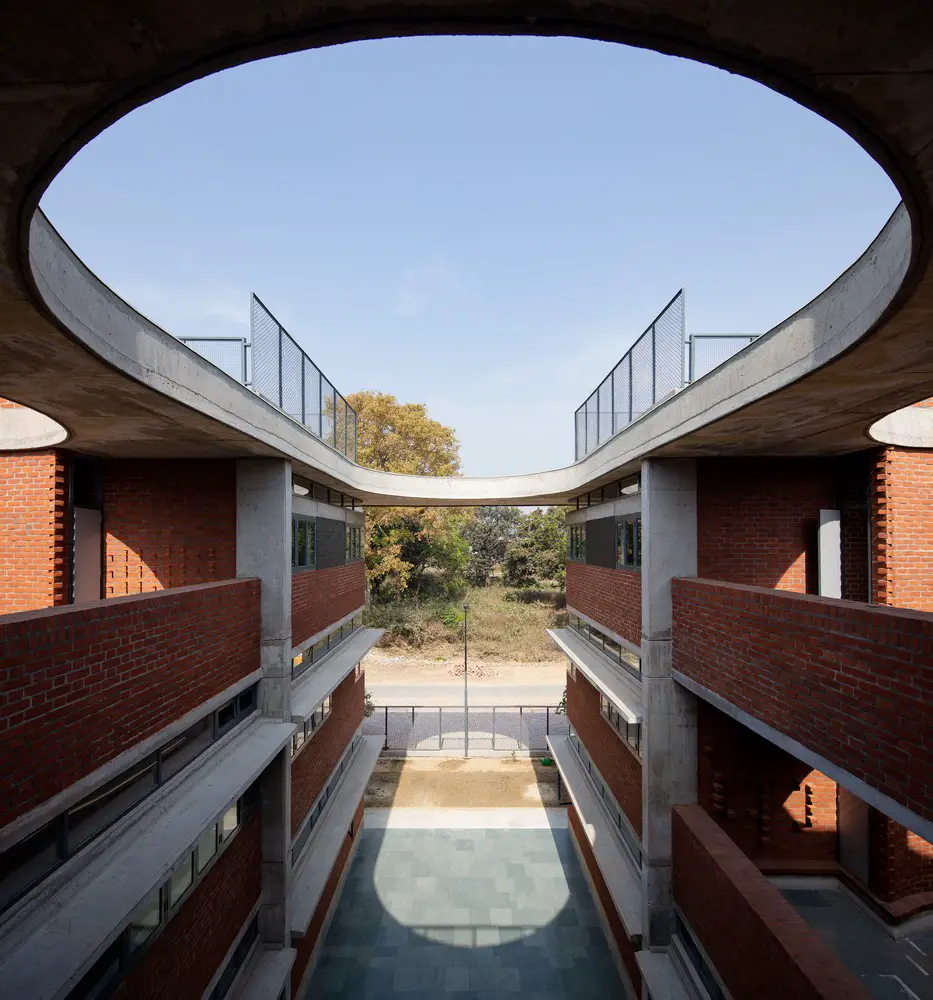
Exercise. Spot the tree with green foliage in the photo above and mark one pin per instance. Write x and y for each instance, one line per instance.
(488, 534)
(404, 545)
(537, 552)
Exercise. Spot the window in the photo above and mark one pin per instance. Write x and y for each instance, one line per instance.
(323, 646)
(354, 542)
(628, 541)
(303, 542)
(145, 919)
(237, 960)
(605, 643)
(181, 880)
(229, 822)
(206, 848)
(314, 813)
(576, 543)
(629, 731)
(311, 725)
(26, 863)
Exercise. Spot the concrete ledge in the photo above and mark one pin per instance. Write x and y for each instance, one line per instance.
(320, 853)
(621, 878)
(313, 686)
(621, 689)
(86, 916)
(267, 975)
(661, 977)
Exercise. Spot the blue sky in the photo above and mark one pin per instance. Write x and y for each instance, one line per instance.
(480, 224)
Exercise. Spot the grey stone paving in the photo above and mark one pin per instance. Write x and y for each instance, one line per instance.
(465, 915)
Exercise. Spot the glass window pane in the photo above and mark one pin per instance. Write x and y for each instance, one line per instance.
(109, 803)
(246, 702)
(319, 649)
(226, 716)
(185, 747)
(207, 847)
(228, 823)
(181, 879)
(27, 861)
(294, 543)
(145, 920)
(302, 545)
(310, 533)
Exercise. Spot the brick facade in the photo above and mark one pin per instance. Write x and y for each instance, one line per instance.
(620, 768)
(183, 959)
(315, 762)
(79, 686)
(757, 519)
(33, 531)
(849, 681)
(900, 867)
(902, 539)
(321, 597)
(305, 946)
(761, 947)
(626, 949)
(611, 597)
(775, 808)
(168, 523)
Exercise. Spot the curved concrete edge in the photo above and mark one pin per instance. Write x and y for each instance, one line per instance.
(911, 427)
(24, 429)
(812, 337)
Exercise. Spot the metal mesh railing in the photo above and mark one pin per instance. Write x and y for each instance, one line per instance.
(229, 354)
(708, 351)
(439, 729)
(661, 362)
(652, 369)
(285, 376)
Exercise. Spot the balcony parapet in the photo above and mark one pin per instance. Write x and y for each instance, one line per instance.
(844, 686)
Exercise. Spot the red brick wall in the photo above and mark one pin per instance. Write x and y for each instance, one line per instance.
(761, 947)
(611, 597)
(773, 806)
(185, 956)
(321, 597)
(902, 543)
(620, 768)
(168, 523)
(757, 519)
(78, 687)
(626, 948)
(305, 946)
(33, 530)
(901, 866)
(314, 764)
(849, 681)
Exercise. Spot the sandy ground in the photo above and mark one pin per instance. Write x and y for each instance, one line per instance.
(388, 666)
(450, 782)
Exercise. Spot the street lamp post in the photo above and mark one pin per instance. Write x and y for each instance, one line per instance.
(466, 724)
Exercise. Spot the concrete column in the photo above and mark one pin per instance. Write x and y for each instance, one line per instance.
(669, 750)
(264, 550)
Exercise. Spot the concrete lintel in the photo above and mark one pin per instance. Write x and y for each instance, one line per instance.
(320, 853)
(611, 508)
(621, 877)
(318, 682)
(884, 803)
(623, 690)
(317, 508)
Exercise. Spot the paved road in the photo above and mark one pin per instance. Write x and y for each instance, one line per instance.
(451, 693)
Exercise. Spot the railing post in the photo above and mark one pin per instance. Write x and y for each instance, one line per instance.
(630, 405)
(320, 405)
(281, 400)
(386, 744)
(494, 727)
(440, 727)
(302, 390)
(654, 365)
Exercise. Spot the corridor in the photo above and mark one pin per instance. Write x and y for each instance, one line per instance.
(469, 913)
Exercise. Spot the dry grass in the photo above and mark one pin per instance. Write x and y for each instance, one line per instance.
(504, 624)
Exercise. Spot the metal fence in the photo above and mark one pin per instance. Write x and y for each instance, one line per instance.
(661, 362)
(491, 730)
(285, 376)
(229, 354)
(276, 368)
(708, 351)
(651, 369)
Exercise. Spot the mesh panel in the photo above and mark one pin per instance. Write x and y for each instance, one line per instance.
(226, 354)
(580, 432)
(592, 423)
(642, 382)
(710, 352)
(292, 357)
(340, 424)
(265, 339)
(312, 397)
(604, 393)
(328, 408)
(351, 433)
(620, 378)
(669, 349)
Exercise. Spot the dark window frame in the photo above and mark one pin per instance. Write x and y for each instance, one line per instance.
(624, 524)
(608, 646)
(628, 732)
(302, 524)
(576, 542)
(323, 647)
